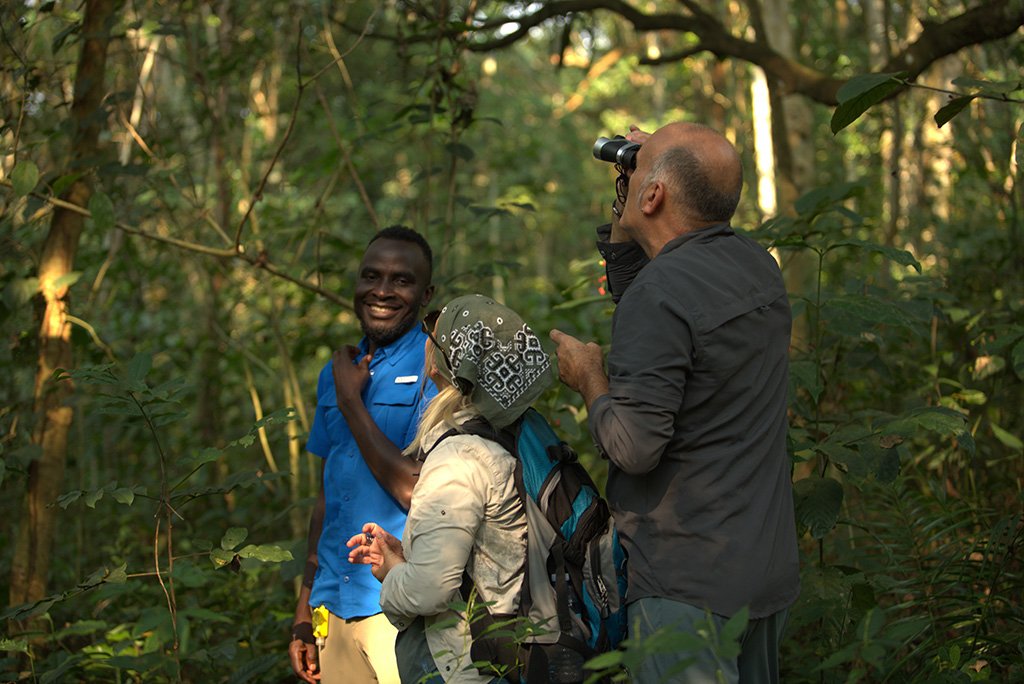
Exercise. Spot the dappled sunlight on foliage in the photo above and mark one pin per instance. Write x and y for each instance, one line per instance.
(195, 226)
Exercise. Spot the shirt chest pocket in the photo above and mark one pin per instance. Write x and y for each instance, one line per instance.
(734, 332)
(395, 410)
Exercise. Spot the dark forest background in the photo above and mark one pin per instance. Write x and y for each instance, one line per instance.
(186, 189)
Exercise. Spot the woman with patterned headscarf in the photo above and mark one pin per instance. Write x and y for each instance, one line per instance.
(465, 517)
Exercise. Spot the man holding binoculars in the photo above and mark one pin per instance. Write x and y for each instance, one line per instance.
(692, 410)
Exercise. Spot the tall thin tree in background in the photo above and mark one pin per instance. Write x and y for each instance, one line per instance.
(31, 563)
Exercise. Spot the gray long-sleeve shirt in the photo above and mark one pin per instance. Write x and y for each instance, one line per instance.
(694, 425)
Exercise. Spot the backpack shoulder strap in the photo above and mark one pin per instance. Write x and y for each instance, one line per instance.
(479, 426)
(422, 454)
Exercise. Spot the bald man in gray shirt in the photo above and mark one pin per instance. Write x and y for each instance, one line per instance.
(692, 411)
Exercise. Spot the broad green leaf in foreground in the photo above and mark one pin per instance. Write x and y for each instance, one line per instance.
(861, 93)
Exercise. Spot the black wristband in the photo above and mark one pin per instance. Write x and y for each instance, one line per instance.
(303, 632)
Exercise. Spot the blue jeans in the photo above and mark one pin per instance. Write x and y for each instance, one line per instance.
(758, 662)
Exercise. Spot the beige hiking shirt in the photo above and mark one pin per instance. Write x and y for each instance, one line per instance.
(465, 515)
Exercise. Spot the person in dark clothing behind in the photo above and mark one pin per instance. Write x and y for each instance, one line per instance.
(692, 410)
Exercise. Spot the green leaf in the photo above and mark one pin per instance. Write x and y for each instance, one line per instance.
(932, 418)
(936, 419)
(1019, 154)
(245, 441)
(987, 366)
(188, 574)
(582, 301)
(92, 497)
(899, 256)
(838, 453)
(862, 596)
(99, 374)
(817, 501)
(138, 367)
(67, 280)
(205, 614)
(251, 670)
(460, 151)
(118, 575)
(989, 87)
(15, 645)
(151, 619)
(1008, 439)
(604, 661)
(860, 93)
(871, 460)
(733, 629)
(24, 177)
(204, 456)
(972, 396)
(123, 495)
(64, 182)
(817, 200)
(114, 409)
(65, 500)
(102, 210)
(267, 553)
(62, 36)
(220, 557)
(19, 291)
(804, 375)
(233, 537)
(57, 674)
(951, 109)
(27, 611)
(284, 415)
(885, 461)
(966, 441)
(847, 310)
(160, 421)
(1017, 355)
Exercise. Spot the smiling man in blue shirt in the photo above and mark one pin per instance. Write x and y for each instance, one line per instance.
(369, 401)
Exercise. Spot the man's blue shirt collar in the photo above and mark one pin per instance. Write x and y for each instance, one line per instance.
(395, 351)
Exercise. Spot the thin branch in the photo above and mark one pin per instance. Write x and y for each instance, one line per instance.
(257, 195)
(164, 508)
(953, 93)
(24, 93)
(340, 57)
(678, 56)
(986, 22)
(92, 333)
(258, 260)
(257, 408)
(348, 160)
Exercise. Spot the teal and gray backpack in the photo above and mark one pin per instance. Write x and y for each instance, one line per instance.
(575, 582)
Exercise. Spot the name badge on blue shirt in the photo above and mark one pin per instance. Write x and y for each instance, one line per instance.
(406, 379)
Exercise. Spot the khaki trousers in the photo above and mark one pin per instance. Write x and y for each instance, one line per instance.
(359, 650)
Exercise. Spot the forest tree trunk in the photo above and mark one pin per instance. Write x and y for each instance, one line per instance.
(31, 564)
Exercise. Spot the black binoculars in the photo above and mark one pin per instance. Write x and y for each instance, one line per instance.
(617, 150)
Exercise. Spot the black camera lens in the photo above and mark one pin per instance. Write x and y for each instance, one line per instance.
(617, 150)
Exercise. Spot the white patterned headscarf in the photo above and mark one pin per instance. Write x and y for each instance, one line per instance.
(490, 354)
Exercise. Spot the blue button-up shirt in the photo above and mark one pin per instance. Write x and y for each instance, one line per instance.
(395, 396)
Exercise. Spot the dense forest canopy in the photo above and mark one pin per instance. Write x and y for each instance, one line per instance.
(186, 189)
